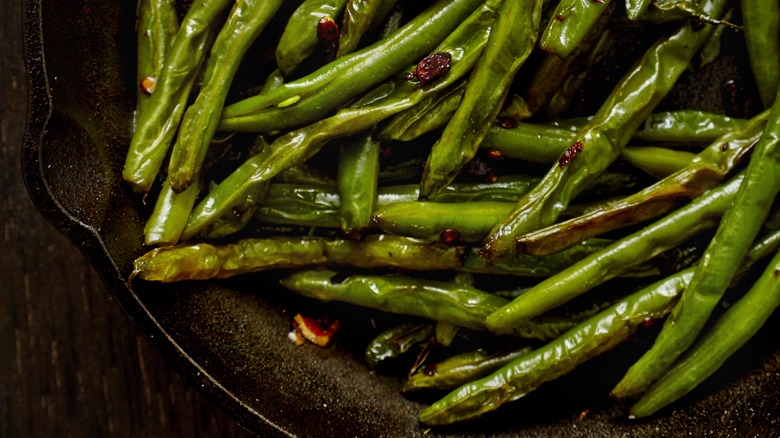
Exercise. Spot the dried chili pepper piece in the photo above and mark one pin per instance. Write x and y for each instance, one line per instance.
(570, 153)
(449, 235)
(328, 32)
(316, 331)
(148, 84)
(431, 67)
(507, 123)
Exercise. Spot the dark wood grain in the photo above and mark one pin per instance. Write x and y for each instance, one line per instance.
(72, 364)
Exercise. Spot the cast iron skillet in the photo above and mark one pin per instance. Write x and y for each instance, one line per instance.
(229, 339)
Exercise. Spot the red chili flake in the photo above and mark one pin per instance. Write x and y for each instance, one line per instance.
(597, 1)
(494, 154)
(583, 414)
(725, 146)
(148, 84)
(507, 123)
(648, 323)
(449, 235)
(569, 154)
(328, 32)
(559, 17)
(491, 178)
(317, 331)
(431, 67)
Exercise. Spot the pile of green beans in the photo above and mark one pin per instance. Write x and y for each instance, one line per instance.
(397, 155)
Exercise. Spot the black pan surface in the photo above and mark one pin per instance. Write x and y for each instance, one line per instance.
(229, 338)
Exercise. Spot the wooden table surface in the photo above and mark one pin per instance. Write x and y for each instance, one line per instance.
(72, 364)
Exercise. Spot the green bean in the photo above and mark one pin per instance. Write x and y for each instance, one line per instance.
(570, 24)
(461, 305)
(246, 20)
(761, 21)
(705, 171)
(357, 181)
(732, 330)
(511, 40)
(460, 369)
(317, 95)
(204, 261)
(299, 38)
(685, 127)
(428, 220)
(588, 339)
(738, 228)
(600, 142)
(169, 217)
(396, 341)
(160, 119)
(359, 17)
(156, 26)
(294, 148)
(646, 159)
(625, 253)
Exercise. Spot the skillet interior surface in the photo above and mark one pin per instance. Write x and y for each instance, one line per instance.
(230, 338)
